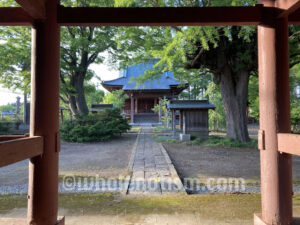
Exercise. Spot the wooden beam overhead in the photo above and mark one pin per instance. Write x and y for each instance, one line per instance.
(14, 17)
(290, 10)
(153, 16)
(35, 8)
(294, 18)
(285, 4)
(165, 16)
(20, 149)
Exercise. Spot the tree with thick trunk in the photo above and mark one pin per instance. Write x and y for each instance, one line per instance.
(231, 64)
(80, 47)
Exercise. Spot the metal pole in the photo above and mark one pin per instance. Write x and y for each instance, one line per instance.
(43, 170)
(276, 175)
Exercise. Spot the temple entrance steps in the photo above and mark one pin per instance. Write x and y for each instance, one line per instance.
(152, 169)
(146, 118)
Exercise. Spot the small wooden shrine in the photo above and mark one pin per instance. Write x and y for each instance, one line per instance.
(193, 116)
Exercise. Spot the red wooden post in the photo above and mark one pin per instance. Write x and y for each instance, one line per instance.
(276, 169)
(43, 171)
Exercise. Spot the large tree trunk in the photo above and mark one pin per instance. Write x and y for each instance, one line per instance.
(234, 91)
(78, 103)
(72, 104)
(80, 98)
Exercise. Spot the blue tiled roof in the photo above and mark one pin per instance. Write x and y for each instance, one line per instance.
(128, 83)
(190, 104)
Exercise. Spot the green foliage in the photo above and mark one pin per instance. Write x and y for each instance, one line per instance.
(165, 117)
(15, 58)
(8, 108)
(182, 3)
(295, 115)
(80, 47)
(191, 52)
(222, 141)
(93, 95)
(102, 126)
(4, 127)
(15, 55)
(161, 129)
(117, 98)
(166, 140)
(253, 97)
(217, 119)
(294, 42)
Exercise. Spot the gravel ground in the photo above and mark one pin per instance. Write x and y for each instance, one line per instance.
(194, 161)
(106, 159)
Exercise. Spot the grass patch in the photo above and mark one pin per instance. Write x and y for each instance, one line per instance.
(9, 202)
(161, 129)
(217, 207)
(222, 141)
(135, 129)
(166, 140)
(211, 141)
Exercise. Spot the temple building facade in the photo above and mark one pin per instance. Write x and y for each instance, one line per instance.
(143, 97)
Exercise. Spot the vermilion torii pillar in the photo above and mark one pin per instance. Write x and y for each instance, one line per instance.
(43, 170)
(276, 168)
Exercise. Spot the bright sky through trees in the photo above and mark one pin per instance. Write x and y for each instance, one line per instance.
(102, 70)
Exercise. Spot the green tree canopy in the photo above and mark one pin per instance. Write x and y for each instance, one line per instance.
(117, 98)
(80, 47)
(229, 53)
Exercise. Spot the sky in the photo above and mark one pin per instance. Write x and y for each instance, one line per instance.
(102, 70)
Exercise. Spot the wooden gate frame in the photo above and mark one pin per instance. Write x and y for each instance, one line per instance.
(42, 147)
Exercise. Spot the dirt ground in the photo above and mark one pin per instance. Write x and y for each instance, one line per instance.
(108, 159)
(204, 162)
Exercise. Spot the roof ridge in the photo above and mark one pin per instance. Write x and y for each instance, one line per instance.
(113, 79)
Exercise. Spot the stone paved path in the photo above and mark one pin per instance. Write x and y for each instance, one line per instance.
(152, 169)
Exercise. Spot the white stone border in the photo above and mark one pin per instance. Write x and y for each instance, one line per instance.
(172, 170)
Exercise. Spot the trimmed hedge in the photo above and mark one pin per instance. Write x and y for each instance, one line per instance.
(4, 127)
(98, 127)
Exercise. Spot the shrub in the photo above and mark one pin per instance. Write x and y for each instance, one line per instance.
(4, 127)
(165, 117)
(95, 127)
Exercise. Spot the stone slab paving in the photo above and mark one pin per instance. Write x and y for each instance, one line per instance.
(152, 169)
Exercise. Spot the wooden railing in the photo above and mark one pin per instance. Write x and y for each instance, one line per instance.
(17, 148)
(289, 143)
